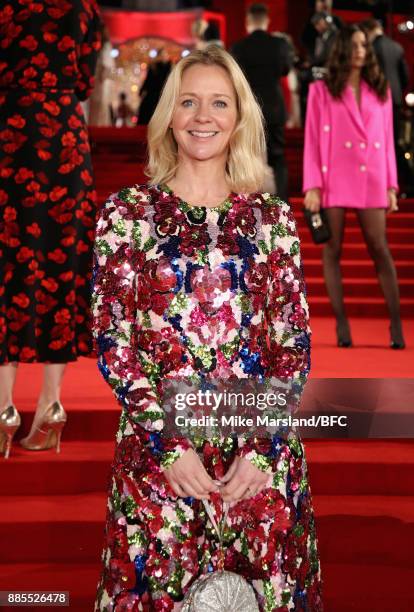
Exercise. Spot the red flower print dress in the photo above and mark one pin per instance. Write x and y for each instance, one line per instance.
(48, 52)
(182, 291)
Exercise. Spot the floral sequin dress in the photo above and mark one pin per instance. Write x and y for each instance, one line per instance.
(180, 291)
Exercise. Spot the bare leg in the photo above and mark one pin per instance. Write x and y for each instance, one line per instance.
(332, 272)
(8, 373)
(373, 225)
(51, 389)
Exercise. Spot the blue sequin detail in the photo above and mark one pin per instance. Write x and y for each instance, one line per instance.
(232, 268)
(141, 584)
(178, 274)
(171, 248)
(251, 362)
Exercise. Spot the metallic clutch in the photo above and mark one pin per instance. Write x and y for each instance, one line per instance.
(220, 591)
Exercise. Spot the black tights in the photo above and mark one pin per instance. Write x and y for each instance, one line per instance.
(372, 222)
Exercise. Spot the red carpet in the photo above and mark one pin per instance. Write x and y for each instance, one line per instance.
(53, 507)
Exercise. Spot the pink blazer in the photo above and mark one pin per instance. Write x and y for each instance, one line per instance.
(349, 151)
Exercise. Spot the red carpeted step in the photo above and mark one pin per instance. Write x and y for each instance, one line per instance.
(371, 307)
(354, 587)
(399, 220)
(80, 467)
(79, 578)
(335, 468)
(366, 269)
(348, 528)
(362, 587)
(69, 527)
(358, 287)
(405, 205)
(353, 235)
(358, 250)
(52, 528)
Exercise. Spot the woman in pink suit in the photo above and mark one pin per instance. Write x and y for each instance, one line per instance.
(349, 162)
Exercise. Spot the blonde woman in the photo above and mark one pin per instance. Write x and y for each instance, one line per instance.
(198, 276)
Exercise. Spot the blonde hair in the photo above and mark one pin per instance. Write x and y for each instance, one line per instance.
(246, 163)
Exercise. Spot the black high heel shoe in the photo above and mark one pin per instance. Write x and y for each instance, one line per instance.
(397, 345)
(343, 336)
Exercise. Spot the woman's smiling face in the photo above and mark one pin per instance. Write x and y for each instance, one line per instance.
(205, 114)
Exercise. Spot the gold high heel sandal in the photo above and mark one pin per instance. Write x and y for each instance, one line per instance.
(49, 431)
(9, 423)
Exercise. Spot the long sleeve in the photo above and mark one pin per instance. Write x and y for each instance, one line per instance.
(312, 170)
(392, 180)
(286, 321)
(118, 253)
(88, 50)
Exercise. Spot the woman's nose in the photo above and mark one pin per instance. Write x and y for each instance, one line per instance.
(203, 112)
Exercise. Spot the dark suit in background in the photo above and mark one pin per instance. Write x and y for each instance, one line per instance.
(264, 59)
(391, 58)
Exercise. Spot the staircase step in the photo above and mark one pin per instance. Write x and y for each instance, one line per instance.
(353, 235)
(358, 287)
(346, 587)
(366, 269)
(401, 220)
(358, 250)
(335, 467)
(348, 528)
(370, 307)
(362, 587)
(79, 578)
(52, 528)
(63, 528)
(80, 467)
(406, 205)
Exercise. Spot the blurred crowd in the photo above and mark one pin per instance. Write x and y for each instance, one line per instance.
(279, 74)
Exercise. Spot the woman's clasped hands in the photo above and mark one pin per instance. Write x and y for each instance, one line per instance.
(188, 477)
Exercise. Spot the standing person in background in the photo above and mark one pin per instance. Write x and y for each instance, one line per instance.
(265, 59)
(124, 112)
(391, 58)
(101, 99)
(310, 34)
(349, 162)
(47, 60)
(327, 30)
(152, 86)
(211, 35)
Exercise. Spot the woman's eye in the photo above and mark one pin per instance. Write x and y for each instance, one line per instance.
(220, 103)
(187, 103)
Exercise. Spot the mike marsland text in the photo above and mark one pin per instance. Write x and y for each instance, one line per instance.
(260, 420)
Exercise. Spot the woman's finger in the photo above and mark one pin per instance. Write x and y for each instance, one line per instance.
(189, 489)
(237, 494)
(205, 481)
(176, 488)
(232, 469)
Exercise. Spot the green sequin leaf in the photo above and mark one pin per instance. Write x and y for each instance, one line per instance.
(103, 247)
(263, 246)
(294, 249)
(149, 244)
(136, 234)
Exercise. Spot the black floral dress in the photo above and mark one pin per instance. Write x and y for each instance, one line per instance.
(48, 52)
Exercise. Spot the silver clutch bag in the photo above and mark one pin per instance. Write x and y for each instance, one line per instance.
(220, 591)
